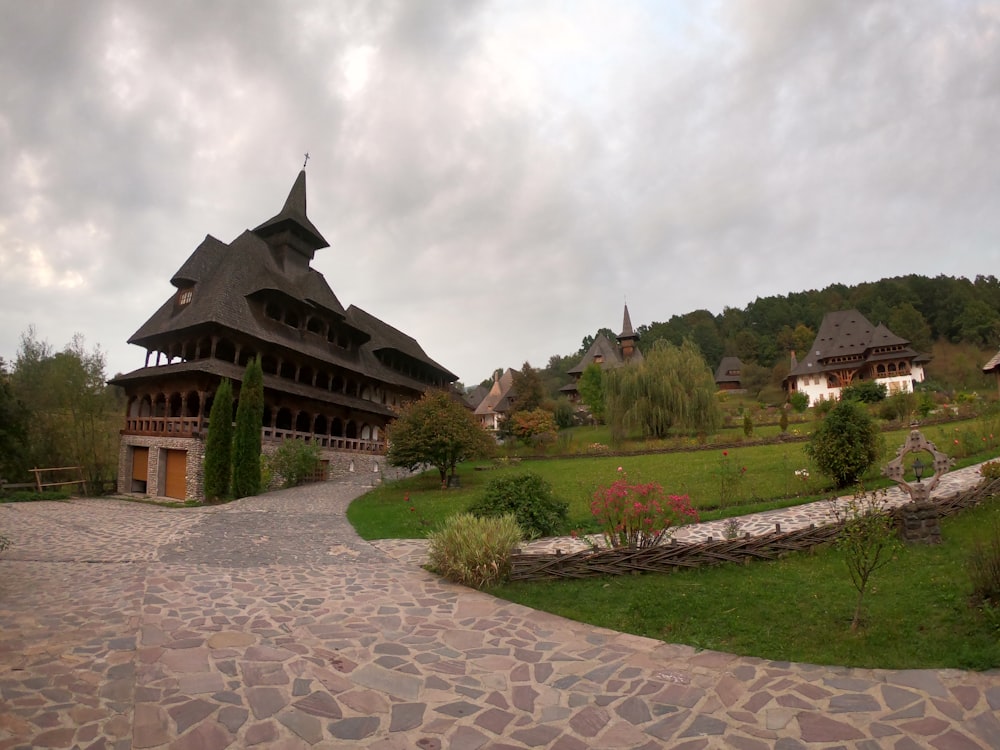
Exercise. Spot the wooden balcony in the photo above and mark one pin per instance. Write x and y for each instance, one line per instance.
(191, 427)
(162, 426)
(333, 442)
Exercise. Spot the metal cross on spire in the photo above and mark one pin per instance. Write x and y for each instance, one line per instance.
(306, 161)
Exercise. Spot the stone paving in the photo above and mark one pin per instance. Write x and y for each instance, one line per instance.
(268, 623)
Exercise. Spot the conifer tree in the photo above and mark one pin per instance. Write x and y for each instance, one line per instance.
(219, 444)
(246, 441)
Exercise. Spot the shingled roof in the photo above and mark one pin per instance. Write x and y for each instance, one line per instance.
(730, 370)
(227, 282)
(847, 336)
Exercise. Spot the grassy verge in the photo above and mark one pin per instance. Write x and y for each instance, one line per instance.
(799, 608)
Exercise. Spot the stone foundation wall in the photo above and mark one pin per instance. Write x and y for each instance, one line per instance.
(194, 447)
(365, 469)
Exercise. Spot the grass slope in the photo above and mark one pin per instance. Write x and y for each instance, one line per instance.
(799, 608)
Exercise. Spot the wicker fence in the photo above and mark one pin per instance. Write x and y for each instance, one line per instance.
(666, 557)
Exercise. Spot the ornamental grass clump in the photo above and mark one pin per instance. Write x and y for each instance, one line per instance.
(637, 515)
(474, 551)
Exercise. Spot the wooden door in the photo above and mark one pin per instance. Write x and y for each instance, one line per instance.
(175, 485)
(140, 470)
(140, 464)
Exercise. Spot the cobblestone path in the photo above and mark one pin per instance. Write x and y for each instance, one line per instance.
(268, 623)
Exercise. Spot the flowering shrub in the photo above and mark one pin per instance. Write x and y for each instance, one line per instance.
(639, 515)
(990, 469)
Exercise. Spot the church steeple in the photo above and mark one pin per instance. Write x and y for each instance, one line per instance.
(628, 337)
(290, 228)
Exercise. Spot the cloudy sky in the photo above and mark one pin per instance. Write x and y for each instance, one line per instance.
(495, 178)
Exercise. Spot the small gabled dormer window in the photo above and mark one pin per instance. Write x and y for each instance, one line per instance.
(184, 297)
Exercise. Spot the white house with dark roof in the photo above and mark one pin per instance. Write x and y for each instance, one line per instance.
(849, 349)
(494, 408)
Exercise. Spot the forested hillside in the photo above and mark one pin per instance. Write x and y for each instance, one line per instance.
(955, 320)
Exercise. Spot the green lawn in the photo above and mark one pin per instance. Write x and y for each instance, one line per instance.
(769, 481)
(799, 608)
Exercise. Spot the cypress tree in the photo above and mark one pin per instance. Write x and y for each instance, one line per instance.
(219, 444)
(246, 442)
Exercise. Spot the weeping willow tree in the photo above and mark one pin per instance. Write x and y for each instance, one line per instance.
(673, 388)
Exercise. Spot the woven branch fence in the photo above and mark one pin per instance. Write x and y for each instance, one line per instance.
(666, 557)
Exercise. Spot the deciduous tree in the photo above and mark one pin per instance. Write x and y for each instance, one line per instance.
(74, 415)
(672, 388)
(437, 431)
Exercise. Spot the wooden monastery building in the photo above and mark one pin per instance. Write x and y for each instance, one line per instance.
(605, 355)
(849, 349)
(332, 376)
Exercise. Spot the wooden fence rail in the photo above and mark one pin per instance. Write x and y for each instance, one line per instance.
(666, 557)
(40, 485)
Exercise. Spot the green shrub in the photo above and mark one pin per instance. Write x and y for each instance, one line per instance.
(29, 496)
(474, 551)
(783, 421)
(898, 407)
(529, 499)
(846, 443)
(984, 568)
(295, 462)
(747, 424)
(990, 470)
(564, 414)
(799, 401)
(865, 391)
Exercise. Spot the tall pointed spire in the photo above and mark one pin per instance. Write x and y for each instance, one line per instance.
(627, 331)
(628, 337)
(291, 226)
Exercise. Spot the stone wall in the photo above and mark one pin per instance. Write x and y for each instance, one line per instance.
(365, 469)
(195, 449)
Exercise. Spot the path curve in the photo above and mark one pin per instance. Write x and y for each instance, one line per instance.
(268, 623)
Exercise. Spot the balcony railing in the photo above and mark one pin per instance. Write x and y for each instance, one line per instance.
(190, 426)
(332, 442)
(172, 426)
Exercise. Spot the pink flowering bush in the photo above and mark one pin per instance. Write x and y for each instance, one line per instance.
(639, 515)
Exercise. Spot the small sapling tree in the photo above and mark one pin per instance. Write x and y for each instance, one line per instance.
(868, 540)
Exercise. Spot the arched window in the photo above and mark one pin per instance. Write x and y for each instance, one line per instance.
(191, 404)
(225, 350)
(303, 422)
(337, 427)
(284, 420)
(160, 406)
(321, 426)
(269, 365)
